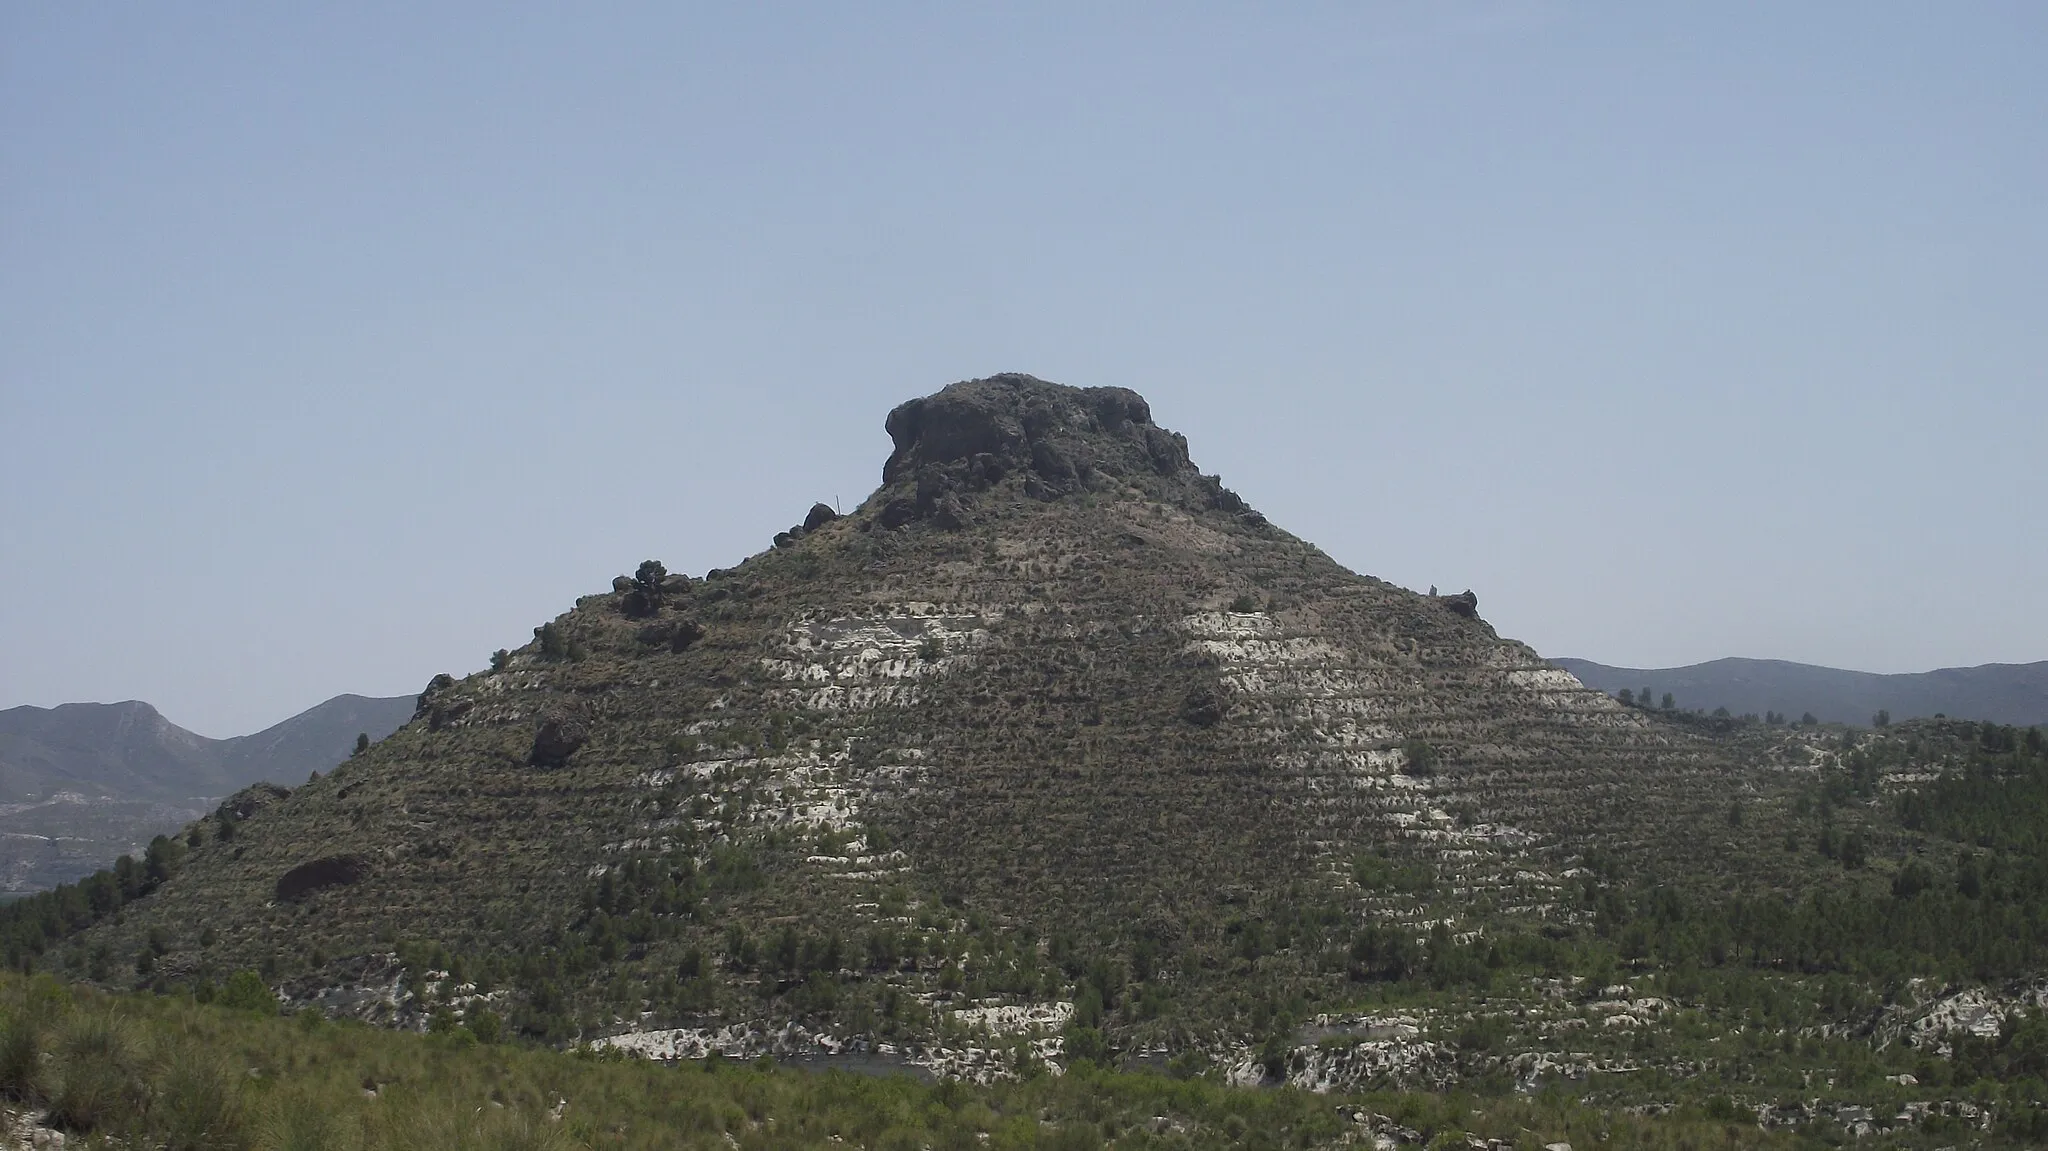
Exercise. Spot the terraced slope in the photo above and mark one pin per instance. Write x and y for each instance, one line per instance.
(1052, 715)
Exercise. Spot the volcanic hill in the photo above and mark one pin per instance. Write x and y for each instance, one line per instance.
(1053, 730)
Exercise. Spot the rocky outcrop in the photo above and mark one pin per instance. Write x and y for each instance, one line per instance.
(1464, 603)
(317, 874)
(252, 799)
(1043, 440)
(436, 688)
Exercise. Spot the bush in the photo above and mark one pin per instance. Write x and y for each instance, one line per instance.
(246, 991)
(1418, 758)
(553, 644)
(485, 1025)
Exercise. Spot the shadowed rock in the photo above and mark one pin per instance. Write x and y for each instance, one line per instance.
(820, 515)
(315, 874)
(1464, 603)
(557, 739)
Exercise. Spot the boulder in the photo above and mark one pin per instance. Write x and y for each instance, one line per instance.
(684, 633)
(556, 740)
(820, 515)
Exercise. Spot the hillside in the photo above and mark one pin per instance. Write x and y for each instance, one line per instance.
(1997, 692)
(1055, 751)
(1050, 683)
(81, 783)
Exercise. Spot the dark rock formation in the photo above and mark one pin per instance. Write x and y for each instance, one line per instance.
(436, 688)
(557, 739)
(684, 633)
(820, 515)
(1464, 603)
(676, 635)
(1049, 440)
(315, 874)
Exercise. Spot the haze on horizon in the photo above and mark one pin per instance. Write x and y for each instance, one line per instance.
(339, 348)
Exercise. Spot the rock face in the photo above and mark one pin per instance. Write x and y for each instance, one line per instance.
(1049, 692)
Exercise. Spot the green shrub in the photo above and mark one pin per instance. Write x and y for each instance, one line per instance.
(246, 991)
(485, 1025)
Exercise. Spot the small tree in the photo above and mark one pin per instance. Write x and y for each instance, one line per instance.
(1883, 718)
(501, 659)
(246, 991)
(1418, 758)
(1627, 697)
(553, 644)
(362, 742)
(1670, 701)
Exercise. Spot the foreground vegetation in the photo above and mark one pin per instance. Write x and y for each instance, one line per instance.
(162, 1071)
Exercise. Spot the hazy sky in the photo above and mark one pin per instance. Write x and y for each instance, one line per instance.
(342, 344)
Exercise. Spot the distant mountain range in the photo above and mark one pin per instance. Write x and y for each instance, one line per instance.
(1999, 692)
(130, 751)
(81, 783)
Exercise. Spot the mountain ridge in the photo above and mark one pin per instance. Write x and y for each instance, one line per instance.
(1997, 692)
(83, 783)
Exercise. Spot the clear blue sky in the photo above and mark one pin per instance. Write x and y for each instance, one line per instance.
(342, 344)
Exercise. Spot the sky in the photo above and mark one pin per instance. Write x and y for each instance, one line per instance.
(341, 345)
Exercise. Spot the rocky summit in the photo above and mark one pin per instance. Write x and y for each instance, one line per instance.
(1052, 748)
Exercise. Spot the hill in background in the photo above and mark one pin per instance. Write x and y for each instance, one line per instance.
(82, 783)
(1997, 692)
